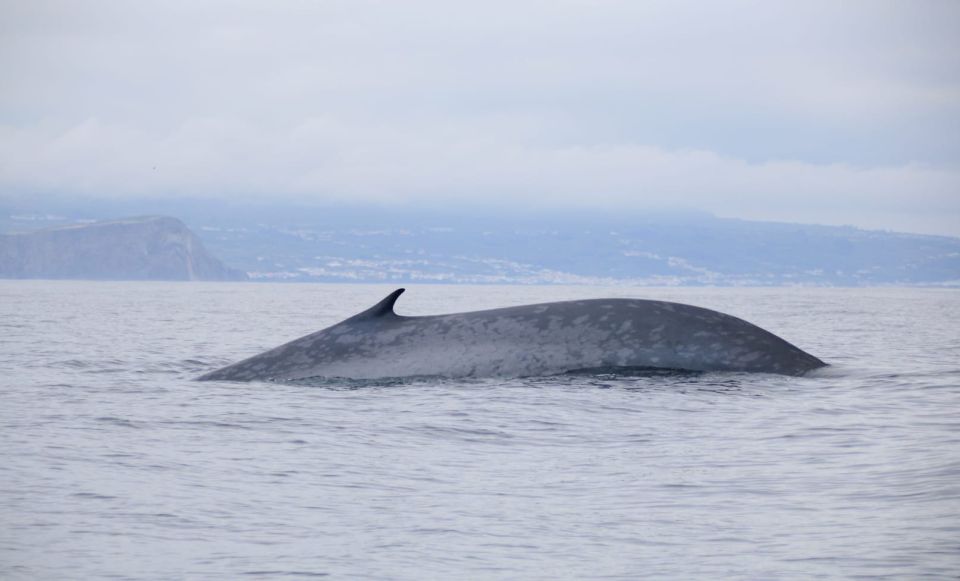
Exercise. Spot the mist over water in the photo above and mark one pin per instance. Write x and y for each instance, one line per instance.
(116, 464)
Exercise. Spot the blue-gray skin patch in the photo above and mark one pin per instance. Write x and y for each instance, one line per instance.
(530, 340)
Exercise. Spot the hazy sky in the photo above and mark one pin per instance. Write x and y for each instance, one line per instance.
(812, 111)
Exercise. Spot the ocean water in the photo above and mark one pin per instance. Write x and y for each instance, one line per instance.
(114, 464)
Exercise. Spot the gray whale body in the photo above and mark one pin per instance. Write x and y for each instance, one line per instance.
(529, 340)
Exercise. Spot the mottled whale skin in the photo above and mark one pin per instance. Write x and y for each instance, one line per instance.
(529, 340)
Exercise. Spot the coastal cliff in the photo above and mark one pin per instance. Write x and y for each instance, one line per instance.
(144, 248)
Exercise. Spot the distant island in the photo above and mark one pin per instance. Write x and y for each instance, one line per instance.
(279, 242)
(144, 248)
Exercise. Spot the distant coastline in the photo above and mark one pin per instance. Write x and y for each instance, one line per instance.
(363, 245)
(140, 248)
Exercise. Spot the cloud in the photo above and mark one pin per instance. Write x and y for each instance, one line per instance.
(816, 112)
(326, 159)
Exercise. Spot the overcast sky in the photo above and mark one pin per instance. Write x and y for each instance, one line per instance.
(825, 112)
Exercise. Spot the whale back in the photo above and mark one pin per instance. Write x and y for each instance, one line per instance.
(540, 339)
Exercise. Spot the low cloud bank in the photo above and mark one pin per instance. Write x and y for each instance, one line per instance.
(329, 160)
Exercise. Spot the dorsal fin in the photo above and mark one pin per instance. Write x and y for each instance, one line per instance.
(383, 308)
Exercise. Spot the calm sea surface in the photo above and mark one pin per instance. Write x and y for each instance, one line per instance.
(114, 464)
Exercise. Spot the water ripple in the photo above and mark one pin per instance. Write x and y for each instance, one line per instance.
(117, 465)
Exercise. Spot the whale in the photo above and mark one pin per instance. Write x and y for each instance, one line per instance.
(530, 340)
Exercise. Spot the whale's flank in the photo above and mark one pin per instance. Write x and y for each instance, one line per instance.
(540, 339)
